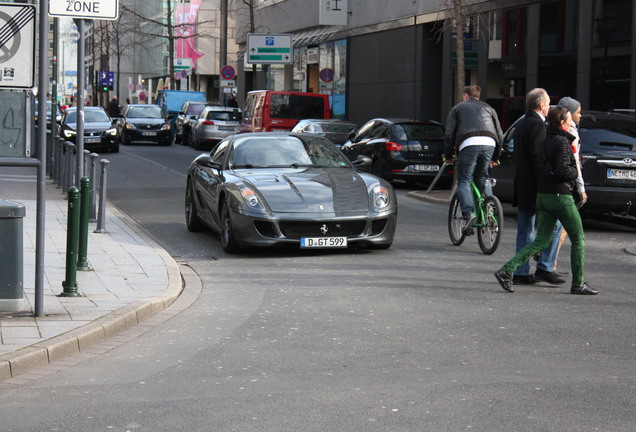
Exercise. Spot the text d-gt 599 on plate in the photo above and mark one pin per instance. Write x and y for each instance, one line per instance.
(287, 189)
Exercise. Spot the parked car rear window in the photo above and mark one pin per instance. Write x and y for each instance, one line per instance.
(224, 115)
(296, 107)
(415, 131)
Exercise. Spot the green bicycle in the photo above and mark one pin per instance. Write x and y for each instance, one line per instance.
(489, 223)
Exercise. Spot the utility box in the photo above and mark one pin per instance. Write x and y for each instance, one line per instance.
(11, 257)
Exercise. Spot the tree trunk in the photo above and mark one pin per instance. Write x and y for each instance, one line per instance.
(459, 51)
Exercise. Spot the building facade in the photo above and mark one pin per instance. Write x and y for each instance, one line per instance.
(398, 59)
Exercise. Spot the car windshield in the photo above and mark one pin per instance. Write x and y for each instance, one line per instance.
(417, 131)
(224, 115)
(145, 112)
(96, 116)
(285, 151)
(195, 109)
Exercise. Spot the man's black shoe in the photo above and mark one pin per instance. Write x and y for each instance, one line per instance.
(523, 280)
(584, 289)
(549, 277)
(504, 280)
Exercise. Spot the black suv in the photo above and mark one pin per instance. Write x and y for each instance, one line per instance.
(608, 153)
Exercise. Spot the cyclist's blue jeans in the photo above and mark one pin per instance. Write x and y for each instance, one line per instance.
(473, 162)
(526, 222)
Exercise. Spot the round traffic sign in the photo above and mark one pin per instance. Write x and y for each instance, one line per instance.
(177, 75)
(142, 96)
(228, 72)
(131, 86)
(326, 75)
(140, 87)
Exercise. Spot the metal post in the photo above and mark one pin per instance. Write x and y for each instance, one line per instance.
(43, 87)
(68, 165)
(79, 137)
(93, 177)
(101, 217)
(70, 282)
(57, 162)
(86, 163)
(85, 199)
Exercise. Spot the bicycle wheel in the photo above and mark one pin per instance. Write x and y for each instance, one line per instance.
(489, 233)
(455, 222)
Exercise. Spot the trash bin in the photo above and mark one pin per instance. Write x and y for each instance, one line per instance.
(11, 255)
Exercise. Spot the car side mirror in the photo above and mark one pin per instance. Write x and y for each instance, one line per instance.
(362, 161)
(206, 161)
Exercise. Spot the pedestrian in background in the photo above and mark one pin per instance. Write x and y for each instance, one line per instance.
(474, 134)
(113, 107)
(528, 136)
(555, 202)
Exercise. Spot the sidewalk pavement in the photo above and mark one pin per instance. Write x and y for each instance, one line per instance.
(443, 197)
(131, 279)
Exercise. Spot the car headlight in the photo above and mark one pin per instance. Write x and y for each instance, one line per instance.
(69, 133)
(165, 126)
(130, 126)
(250, 198)
(112, 131)
(380, 197)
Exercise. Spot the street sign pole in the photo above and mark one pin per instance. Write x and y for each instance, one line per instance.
(43, 79)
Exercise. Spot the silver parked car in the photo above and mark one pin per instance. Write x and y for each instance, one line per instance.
(212, 125)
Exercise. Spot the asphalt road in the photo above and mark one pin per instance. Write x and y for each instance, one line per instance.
(418, 337)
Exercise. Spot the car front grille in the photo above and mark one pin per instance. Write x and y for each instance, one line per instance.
(300, 229)
(146, 126)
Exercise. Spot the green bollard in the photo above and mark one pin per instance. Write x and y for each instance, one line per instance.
(84, 213)
(70, 283)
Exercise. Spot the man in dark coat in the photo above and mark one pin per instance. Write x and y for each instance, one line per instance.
(528, 135)
(113, 108)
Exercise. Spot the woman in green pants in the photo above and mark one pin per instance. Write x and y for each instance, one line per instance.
(555, 201)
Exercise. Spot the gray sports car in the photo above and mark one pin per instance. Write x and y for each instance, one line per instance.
(286, 189)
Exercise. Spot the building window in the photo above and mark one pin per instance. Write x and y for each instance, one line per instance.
(552, 27)
(514, 31)
(614, 26)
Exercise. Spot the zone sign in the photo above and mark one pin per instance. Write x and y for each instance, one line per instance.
(88, 9)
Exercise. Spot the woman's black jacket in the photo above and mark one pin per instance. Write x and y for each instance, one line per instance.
(557, 165)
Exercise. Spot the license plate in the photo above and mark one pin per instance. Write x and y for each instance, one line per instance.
(226, 128)
(149, 133)
(622, 174)
(323, 242)
(425, 168)
(92, 140)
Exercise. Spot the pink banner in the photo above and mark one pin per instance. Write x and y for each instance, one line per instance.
(186, 26)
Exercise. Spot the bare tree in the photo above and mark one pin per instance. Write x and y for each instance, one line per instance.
(167, 29)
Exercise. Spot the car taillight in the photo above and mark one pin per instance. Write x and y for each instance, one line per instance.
(208, 122)
(391, 146)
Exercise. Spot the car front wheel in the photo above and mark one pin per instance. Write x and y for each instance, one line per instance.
(193, 222)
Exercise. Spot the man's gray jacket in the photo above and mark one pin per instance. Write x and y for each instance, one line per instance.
(468, 119)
